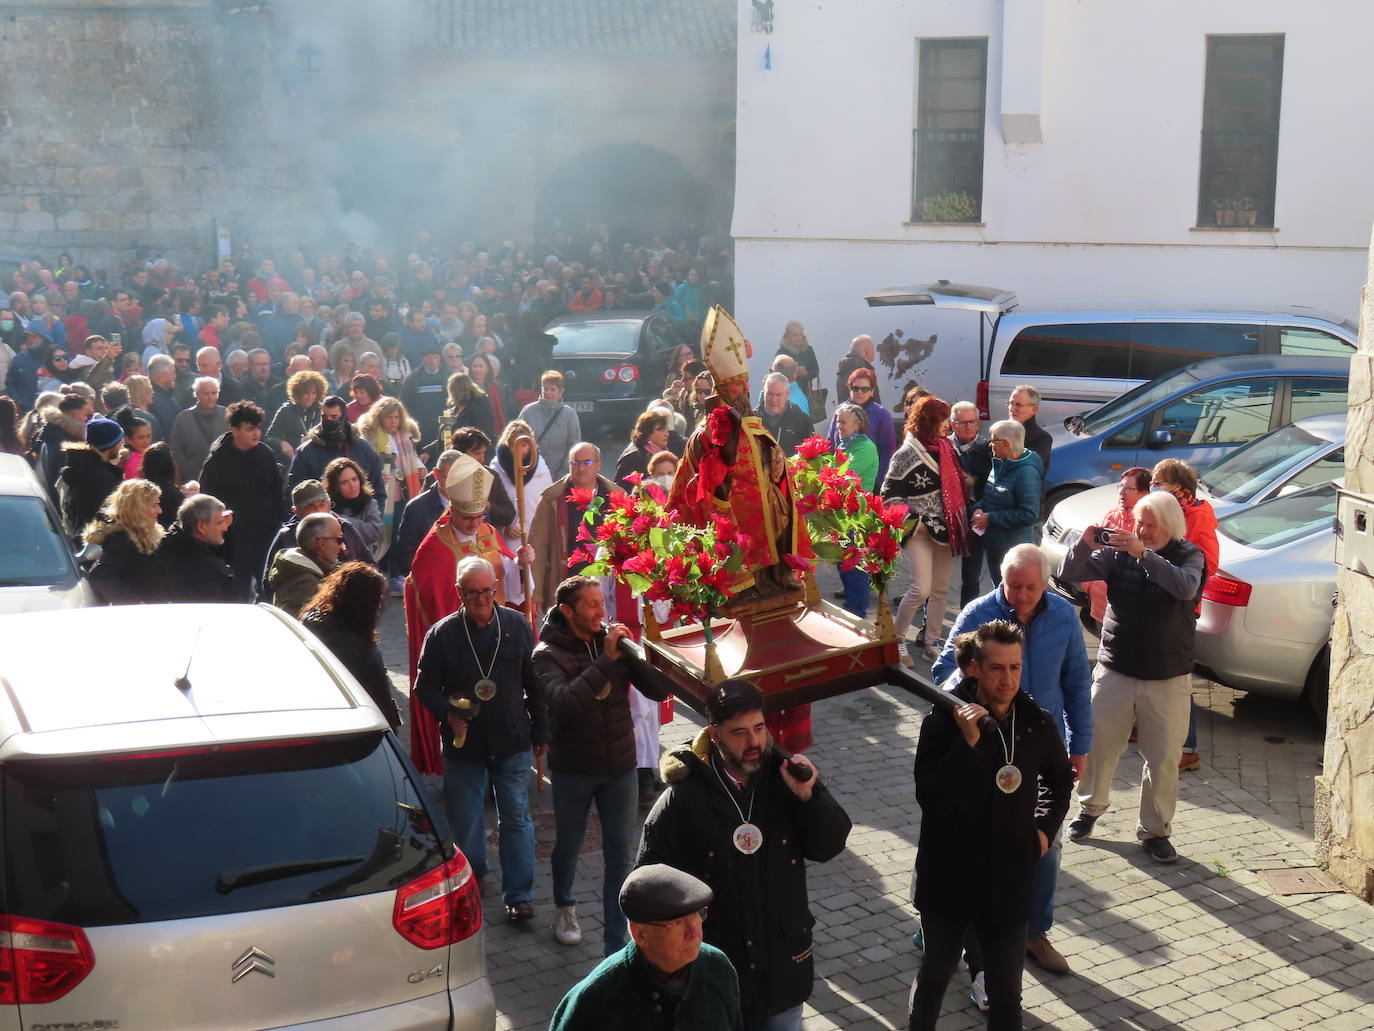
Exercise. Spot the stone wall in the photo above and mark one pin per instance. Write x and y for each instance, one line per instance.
(1345, 790)
(115, 129)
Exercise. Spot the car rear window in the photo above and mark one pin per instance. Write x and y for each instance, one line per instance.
(596, 338)
(35, 552)
(1280, 521)
(1251, 466)
(96, 842)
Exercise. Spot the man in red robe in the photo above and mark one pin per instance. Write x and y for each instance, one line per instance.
(431, 589)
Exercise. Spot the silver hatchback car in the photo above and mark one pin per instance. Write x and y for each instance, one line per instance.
(216, 830)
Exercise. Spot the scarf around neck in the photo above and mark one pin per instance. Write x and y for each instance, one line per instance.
(951, 492)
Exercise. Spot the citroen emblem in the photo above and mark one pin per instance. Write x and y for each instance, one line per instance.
(253, 959)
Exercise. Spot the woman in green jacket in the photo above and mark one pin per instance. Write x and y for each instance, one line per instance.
(851, 423)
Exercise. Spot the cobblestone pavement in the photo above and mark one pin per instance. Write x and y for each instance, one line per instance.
(1203, 945)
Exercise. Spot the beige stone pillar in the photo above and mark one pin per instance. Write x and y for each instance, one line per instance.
(1345, 790)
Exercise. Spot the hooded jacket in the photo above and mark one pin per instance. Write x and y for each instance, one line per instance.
(248, 482)
(318, 450)
(123, 575)
(83, 485)
(293, 580)
(591, 729)
(761, 917)
(59, 430)
(978, 846)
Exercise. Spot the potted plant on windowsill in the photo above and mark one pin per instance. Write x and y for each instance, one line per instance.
(951, 206)
(1235, 210)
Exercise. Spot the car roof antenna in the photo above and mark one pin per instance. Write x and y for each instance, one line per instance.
(183, 682)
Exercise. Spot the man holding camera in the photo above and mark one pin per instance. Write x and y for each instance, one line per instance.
(1144, 670)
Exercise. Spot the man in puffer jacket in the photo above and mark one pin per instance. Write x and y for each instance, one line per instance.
(586, 683)
(1056, 675)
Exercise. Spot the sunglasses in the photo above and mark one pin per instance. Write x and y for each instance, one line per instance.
(860, 390)
(59, 357)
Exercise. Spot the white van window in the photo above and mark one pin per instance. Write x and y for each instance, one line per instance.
(1312, 342)
(1228, 413)
(1160, 347)
(1091, 350)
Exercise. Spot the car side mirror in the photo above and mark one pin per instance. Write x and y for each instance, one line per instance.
(1159, 438)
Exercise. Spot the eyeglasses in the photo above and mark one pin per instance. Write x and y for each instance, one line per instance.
(966, 422)
(584, 461)
(670, 923)
(856, 389)
(485, 592)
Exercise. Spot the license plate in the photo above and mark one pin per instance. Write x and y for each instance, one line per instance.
(584, 406)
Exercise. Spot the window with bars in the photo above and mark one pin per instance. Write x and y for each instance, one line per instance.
(947, 143)
(1240, 131)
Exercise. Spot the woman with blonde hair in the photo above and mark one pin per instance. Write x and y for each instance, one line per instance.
(388, 427)
(468, 405)
(301, 412)
(128, 533)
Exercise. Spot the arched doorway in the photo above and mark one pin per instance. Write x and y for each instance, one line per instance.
(652, 189)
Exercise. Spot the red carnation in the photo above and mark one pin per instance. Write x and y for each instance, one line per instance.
(605, 531)
(645, 562)
(633, 478)
(718, 426)
(894, 515)
(656, 493)
(851, 558)
(622, 502)
(832, 499)
(581, 496)
(642, 524)
(814, 447)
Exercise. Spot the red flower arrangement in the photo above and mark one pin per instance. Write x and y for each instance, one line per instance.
(848, 525)
(644, 546)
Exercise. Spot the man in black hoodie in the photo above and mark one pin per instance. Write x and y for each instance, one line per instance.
(586, 682)
(242, 473)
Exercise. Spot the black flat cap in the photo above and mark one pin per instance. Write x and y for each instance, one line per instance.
(657, 893)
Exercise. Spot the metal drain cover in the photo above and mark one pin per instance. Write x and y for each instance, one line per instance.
(1307, 880)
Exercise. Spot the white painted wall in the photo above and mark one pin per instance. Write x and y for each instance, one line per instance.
(1101, 213)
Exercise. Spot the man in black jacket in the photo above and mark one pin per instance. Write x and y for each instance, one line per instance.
(975, 458)
(190, 555)
(737, 816)
(242, 472)
(476, 676)
(781, 417)
(334, 438)
(586, 686)
(1023, 404)
(980, 833)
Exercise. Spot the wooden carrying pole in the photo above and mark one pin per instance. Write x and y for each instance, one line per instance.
(525, 453)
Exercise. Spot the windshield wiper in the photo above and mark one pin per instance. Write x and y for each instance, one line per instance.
(250, 875)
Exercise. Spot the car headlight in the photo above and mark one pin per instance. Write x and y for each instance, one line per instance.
(1052, 528)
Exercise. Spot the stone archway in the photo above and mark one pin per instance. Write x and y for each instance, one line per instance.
(654, 189)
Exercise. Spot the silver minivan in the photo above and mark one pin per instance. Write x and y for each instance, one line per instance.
(212, 828)
(1081, 359)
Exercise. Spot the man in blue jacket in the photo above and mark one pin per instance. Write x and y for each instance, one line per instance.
(1056, 674)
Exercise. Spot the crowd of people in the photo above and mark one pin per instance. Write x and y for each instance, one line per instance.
(321, 436)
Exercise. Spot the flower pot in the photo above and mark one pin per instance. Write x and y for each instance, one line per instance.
(1246, 218)
(1226, 217)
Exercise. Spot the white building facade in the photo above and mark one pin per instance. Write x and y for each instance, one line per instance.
(1083, 154)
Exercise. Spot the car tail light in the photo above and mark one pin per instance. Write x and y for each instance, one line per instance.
(1225, 590)
(439, 908)
(41, 961)
(981, 399)
(628, 374)
(609, 375)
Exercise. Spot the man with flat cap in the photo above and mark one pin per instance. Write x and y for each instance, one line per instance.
(665, 977)
(742, 816)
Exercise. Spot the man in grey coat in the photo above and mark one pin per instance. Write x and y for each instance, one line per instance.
(198, 427)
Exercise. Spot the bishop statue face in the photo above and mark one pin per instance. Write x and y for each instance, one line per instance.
(734, 389)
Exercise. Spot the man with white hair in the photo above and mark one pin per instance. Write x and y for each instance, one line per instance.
(1056, 674)
(1144, 672)
(208, 363)
(975, 458)
(198, 427)
(1022, 405)
(788, 424)
(476, 676)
